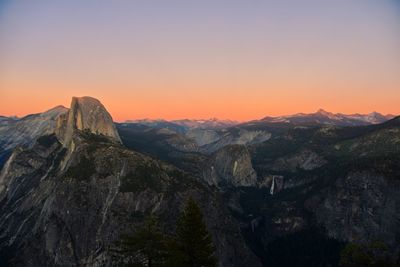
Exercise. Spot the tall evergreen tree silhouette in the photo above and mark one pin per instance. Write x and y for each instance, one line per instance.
(193, 245)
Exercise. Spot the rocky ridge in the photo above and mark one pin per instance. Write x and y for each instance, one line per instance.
(66, 200)
(24, 131)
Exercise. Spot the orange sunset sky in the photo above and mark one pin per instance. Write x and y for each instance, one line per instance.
(201, 59)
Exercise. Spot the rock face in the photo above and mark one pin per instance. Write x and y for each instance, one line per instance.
(86, 114)
(25, 131)
(360, 207)
(231, 166)
(67, 207)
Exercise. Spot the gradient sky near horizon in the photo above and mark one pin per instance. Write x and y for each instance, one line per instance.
(175, 59)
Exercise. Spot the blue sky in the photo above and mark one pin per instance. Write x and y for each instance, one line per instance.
(252, 56)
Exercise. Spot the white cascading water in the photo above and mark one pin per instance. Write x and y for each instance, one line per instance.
(272, 186)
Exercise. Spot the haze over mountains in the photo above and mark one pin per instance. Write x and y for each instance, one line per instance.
(285, 191)
(319, 117)
(185, 124)
(339, 119)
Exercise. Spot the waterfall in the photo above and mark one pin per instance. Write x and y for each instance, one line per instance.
(234, 167)
(272, 186)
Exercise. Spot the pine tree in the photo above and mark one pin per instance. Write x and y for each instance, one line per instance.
(193, 245)
(144, 247)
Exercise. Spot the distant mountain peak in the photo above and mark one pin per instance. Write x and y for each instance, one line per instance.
(330, 115)
(323, 111)
(323, 117)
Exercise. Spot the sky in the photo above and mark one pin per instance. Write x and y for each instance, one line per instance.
(229, 59)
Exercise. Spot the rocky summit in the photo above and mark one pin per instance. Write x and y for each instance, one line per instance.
(86, 114)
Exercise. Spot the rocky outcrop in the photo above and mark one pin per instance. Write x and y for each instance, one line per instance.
(68, 207)
(230, 166)
(25, 131)
(86, 114)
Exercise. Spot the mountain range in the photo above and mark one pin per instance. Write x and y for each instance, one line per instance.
(328, 118)
(319, 117)
(185, 124)
(280, 191)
